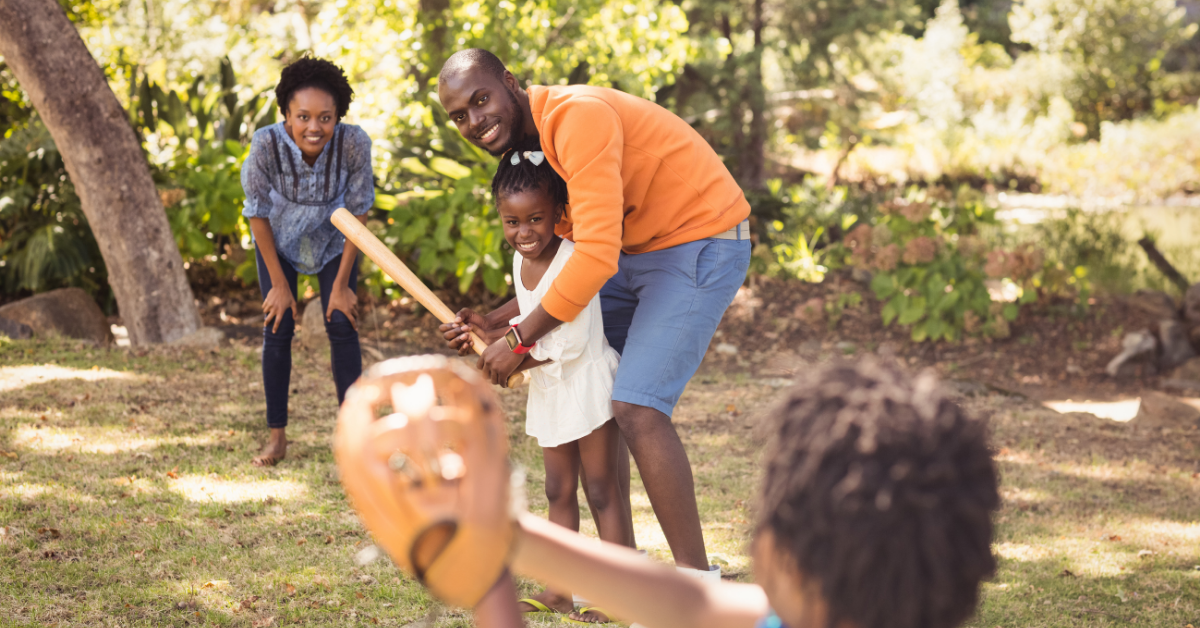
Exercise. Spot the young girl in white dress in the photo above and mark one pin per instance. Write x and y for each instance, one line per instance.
(571, 368)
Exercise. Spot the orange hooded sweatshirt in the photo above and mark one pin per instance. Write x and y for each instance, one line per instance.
(639, 179)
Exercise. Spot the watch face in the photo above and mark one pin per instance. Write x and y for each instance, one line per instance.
(511, 339)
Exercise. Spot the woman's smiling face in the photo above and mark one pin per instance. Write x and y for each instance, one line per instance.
(529, 217)
(310, 118)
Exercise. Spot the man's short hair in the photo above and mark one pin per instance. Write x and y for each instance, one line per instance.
(883, 492)
(473, 58)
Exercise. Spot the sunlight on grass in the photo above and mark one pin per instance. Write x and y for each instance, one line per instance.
(105, 440)
(1122, 411)
(17, 377)
(206, 488)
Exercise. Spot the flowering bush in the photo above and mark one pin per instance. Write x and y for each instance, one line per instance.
(930, 265)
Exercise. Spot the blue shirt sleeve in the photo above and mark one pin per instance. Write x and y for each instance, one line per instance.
(256, 182)
(360, 183)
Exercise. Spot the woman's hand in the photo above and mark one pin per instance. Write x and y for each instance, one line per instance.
(279, 300)
(343, 299)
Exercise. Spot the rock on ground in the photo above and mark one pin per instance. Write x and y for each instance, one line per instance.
(14, 330)
(1176, 348)
(1159, 410)
(68, 311)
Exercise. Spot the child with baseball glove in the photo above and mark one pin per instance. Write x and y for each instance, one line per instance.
(875, 512)
(571, 369)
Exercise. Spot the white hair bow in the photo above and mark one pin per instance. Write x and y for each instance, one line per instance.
(535, 156)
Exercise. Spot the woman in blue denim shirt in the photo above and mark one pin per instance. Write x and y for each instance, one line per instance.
(297, 173)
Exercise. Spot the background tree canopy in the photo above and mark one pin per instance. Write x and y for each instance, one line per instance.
(1094, 98)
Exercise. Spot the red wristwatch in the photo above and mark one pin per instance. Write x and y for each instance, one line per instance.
(513, 337)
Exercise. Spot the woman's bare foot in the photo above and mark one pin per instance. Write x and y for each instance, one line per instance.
(589, 615)
(552, 600)
(274, 451)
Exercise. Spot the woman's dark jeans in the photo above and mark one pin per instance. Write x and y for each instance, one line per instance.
(344, 352)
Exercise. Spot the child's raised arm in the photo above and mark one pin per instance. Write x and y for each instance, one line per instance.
(629, 586)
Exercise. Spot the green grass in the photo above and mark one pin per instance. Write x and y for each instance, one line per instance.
(126, 499)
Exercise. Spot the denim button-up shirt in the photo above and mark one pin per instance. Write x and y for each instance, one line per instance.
(298, 199)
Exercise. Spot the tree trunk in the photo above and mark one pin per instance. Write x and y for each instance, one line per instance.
(106, 164)
(754, 173)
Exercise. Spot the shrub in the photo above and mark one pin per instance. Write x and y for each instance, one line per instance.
(930, 261)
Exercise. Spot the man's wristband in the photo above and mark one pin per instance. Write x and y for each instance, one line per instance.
(515, 344)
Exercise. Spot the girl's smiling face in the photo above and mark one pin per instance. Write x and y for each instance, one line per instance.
(529, 217)
(310, 118)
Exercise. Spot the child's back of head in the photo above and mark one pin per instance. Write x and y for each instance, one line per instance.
(880, 492)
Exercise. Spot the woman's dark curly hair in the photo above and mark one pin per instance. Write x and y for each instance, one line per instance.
(882, 491)
(318, 73)
(525, 176)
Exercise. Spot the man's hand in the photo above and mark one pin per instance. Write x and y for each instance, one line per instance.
(498, 362)
(279, 300)
(343, 299)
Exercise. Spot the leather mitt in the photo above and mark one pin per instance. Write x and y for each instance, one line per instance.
(423, 453)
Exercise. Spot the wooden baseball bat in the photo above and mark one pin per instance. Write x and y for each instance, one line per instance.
(379, 253)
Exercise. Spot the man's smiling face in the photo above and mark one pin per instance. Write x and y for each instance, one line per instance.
(484, 108)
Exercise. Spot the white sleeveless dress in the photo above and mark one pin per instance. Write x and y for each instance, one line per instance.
(570, 396)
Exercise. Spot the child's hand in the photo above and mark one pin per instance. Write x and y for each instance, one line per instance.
(279, 300)
(458, 332)
(343, 299)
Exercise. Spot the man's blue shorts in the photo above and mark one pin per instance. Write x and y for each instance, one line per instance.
(661, 310)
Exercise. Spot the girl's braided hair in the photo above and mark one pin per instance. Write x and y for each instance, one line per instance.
(882, 491)
(318, 73)
(525, 176)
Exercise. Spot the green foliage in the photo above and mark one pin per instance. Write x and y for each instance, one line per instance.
(196, 140)
(930, 264)
(450, 229)
(1115, 48)
(45, 241)
(800, 222)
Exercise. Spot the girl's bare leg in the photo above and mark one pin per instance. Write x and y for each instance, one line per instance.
(562, 483)
(598, 453)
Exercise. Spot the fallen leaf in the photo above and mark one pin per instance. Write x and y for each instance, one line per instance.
(264, 622)
(374, 620)
(70, 458)
(359, 595)
(73, 508)
(138, 555)
(1114, 537)
(301, 541)
(248, 603)
(9, 454)
(329, 539)
(173, 473)
(1144, 553)
(1066, 573)
(215, 584)
(52, 532)
(291, 590)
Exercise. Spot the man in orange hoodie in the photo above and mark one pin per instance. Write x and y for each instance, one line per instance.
(661, 233)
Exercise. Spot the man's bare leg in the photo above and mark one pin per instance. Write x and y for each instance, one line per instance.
(667, 475)
(623, 482)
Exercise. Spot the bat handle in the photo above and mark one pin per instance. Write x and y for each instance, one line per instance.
(516, 380)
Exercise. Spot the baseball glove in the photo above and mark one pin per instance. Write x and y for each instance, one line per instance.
(430, 479)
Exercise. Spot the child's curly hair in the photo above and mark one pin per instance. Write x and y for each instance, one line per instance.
(318, 73)
(882, 491)
(525, 176)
